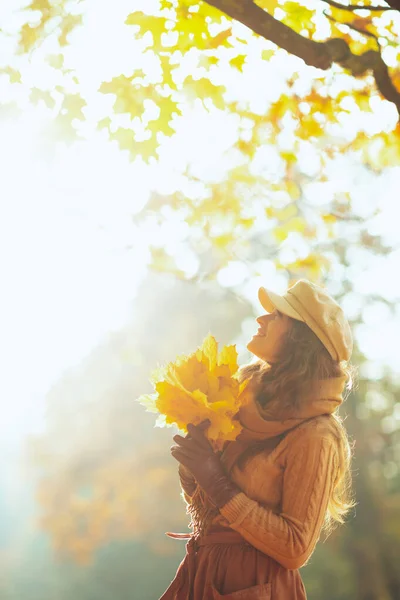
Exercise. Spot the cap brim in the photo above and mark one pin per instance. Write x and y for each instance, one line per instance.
(269, 300)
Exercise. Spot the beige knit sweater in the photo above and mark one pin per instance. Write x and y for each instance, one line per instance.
(286, 487)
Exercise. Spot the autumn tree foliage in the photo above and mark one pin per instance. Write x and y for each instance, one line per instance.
(339, 95)
(327, 82)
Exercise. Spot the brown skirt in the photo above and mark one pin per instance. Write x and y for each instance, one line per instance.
(223, 564)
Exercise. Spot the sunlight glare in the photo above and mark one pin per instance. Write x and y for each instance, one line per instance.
(68, 277)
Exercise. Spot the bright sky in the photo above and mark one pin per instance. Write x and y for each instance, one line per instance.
(68, 277)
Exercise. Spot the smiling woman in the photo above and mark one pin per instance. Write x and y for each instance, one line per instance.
(287, 476)
(267, 342)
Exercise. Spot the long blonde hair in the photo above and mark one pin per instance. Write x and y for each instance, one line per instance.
(302, 357)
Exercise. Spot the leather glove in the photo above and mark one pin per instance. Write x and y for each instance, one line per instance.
(195, 453)
(188, 482)
(187, 479)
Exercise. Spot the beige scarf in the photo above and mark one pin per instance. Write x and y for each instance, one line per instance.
(320, 397)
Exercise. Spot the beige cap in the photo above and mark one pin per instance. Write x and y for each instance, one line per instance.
(309, 303)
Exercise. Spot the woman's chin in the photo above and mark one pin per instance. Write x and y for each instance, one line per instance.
(255, 349)
(252, 346)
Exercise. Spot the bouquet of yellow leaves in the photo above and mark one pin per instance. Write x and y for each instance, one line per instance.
(198, 387)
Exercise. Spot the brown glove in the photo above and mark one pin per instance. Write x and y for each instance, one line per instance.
(196, 454)
(188, 482)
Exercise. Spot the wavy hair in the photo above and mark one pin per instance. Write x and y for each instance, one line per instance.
(302, 357)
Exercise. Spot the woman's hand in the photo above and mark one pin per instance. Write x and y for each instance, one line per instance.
(187, 479)
(195, 453)
(192, 446)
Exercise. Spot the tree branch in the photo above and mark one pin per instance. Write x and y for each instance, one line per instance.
(320, 55)
(395, 4)
(353, 7)
(351, 26)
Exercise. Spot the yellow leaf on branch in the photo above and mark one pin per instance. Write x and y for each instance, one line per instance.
(14, 75)
(73, 105)
(203, 88)
(312, 266)
(298, 17)
(37, 95)
(286, 213)
(154, 24)
(68, 24)
(268, 5)
(293, 189)
(28, 37)
(238, 62)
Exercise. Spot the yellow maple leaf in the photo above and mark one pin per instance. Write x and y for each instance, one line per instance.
(28, 37)
(73, 105)
(238, 62)
(199, 386)
(209, 350)
(267, 54)
(14, 75)
(163, 262)
(228, 356)
(56, 61)
(204, 88)
(268, 5)
(37, 95)
(167, 109)
(68, 24)
(104, 123)
(208, 61)
(220, 40)
(287, 212)
(167, 70)
(149, 401)
(298, 17)
(154, 24)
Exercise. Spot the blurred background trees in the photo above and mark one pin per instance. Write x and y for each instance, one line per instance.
(213, 162)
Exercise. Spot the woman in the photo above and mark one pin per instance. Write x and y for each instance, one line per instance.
(259, 506)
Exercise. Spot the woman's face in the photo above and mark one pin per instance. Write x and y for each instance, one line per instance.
(267, 342)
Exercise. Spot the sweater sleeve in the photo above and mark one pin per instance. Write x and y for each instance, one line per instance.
(290, 536)
(187, 481)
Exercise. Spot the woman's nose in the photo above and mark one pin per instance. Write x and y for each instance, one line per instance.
(262, 319)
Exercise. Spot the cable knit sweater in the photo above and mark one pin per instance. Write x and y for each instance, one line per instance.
(286, 487)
